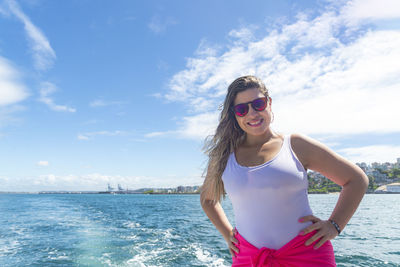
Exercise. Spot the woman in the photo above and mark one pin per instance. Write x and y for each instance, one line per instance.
(264, 175)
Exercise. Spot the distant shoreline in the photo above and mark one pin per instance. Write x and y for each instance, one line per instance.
(117, 193)
(94, 193)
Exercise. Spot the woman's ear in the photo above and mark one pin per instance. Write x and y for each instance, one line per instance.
(269, 104)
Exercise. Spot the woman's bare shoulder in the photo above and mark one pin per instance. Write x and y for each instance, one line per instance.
(318, 157)
(304, 146)
(298, 141)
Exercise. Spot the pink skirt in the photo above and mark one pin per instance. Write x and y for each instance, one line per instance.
(294, 253)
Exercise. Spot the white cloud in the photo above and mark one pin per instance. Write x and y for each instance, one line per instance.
(199, 126)
(325, 77)
(357, 95)
(372, 9)
(87, 136)
(103, 103)
(43, 163)
(43, 54)
(158, 134)
(12, 92)
(244, 33)
(369, 154)
(205, 48)
(46, 90)
(192, 127)
(159, 24)
(11, 88)
(82, 137)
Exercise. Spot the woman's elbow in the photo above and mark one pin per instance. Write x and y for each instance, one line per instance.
(365, 181)
(203, 199)
(360, 178)
(206, 202)
(357, 179)
(360, 181)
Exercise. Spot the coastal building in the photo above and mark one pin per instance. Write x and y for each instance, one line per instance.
(315, 177)
(187, 189)
(392, 188)
(109, 188)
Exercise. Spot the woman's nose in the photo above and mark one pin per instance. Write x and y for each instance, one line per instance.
(252, 111)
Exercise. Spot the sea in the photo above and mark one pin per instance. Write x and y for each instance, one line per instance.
(165, 230)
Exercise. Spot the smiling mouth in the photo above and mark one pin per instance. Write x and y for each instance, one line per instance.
(255, 123)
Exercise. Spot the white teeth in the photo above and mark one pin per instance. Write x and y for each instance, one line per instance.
(255, 123)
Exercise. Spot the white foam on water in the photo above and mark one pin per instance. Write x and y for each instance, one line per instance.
(52, 251)
(167, 235)
(159, 236)
(136, 261)
(131, 237)
(205, 256)
(131, 224)
(152, 248)
(60, 257)
(145, 256)
(139, 259)
(55, 254)
(8, 248)
(18, 230)
(106, 260)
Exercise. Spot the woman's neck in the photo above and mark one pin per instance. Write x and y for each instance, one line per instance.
(259, 140)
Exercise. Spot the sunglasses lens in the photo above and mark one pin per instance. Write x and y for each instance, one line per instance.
(241, 109)
(259, 104)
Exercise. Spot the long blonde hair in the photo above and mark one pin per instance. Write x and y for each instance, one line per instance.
(227, 138)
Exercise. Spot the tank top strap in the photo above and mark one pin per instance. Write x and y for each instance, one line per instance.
(290, 151)
(286, 150)
(286, 143)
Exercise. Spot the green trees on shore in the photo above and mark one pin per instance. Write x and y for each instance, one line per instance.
(320, 184)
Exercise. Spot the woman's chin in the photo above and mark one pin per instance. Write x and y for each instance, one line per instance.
(256, 131)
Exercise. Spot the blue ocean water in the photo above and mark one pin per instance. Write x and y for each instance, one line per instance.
(164, 230)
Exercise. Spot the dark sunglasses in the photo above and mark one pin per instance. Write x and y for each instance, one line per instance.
(258, 104)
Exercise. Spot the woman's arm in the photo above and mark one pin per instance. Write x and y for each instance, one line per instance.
(217, 216)
(316, 156)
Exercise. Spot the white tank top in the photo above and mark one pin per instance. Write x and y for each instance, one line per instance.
(268, 199)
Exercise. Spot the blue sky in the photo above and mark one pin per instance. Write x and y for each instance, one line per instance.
(126, 91)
